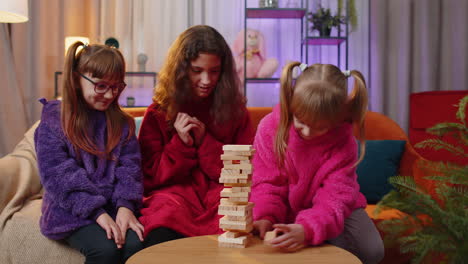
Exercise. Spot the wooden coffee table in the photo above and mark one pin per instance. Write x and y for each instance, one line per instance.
(205, 250)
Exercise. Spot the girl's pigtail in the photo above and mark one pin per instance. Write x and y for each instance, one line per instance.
(286, 93)
(69, 93)
(358, 106)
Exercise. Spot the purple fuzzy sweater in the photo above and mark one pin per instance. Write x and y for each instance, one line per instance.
(78, 191)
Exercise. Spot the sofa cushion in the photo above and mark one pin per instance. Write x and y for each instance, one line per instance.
(22, 242)
(381, 161)
(138, 120)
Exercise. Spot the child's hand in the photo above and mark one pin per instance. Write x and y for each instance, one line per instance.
(262, 226)
(183, 126)
(111, 228)
(126, 219)
(198, 130)
(292, 239)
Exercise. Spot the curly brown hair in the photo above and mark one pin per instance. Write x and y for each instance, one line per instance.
(174, 89)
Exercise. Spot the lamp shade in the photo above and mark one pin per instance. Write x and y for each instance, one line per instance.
(13, 11)
(72, 39)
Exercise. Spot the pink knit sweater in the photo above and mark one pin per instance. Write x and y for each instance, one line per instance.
(318, 189)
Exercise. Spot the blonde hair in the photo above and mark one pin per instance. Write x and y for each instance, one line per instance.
(320, 94)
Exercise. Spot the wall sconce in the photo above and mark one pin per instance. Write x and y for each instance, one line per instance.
(13, 11)
(72, 39)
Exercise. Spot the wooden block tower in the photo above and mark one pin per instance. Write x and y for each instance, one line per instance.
(235, 206)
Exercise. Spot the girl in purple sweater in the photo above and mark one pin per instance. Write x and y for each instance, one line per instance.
(89, 160)
(305, 182)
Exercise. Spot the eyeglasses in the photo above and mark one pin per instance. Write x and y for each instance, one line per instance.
(102, 87)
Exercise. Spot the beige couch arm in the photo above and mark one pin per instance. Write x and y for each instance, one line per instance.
(19, 178)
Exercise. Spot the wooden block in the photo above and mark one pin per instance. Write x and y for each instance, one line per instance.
(241, 183)
(245, 162)
(234, 157)
(235, 210)
(246, 218)
(238, 147)
(225, 201)
(230, 245)
(240, 153)
(230, 162)
(240, 189)
(247, 228)
(238, 167)
(231, 234)
(227, 192)
(246, 171)
(230, 172)
(235, 173)
(234, 180)
(239, 199)
(270, 235)
(241, 240)
(225, 220)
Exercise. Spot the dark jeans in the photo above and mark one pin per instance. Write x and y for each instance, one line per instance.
(91, 241)
(160, 235)
(360, 237)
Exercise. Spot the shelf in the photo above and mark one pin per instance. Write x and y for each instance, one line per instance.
(262, 80)
(275, 12)
(324, 40)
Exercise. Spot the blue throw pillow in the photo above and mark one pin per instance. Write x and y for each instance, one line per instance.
(138, 120)
(381, 161)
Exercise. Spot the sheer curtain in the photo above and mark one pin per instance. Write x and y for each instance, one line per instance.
(150, 27)
(13, 117)
(30, 53)
(416, 45)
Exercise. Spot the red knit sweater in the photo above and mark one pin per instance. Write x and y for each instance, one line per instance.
(181, 182)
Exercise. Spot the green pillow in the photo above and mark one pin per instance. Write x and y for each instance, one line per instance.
(138, 120)
(381, 161)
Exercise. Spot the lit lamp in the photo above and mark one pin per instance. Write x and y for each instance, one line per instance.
(13, 11)
(72, 39)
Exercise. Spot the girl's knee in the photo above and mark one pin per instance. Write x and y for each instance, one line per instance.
(107, 253)
(373, 253)
(132, 245)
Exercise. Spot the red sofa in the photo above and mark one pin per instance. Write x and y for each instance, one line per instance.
(377, 127)
(428, 109)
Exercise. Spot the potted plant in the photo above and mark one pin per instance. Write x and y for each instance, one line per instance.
(435, 226)
(323, 21)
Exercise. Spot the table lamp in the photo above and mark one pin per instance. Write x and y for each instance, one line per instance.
(13, 11)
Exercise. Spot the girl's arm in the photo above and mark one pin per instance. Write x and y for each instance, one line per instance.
(210, 150)
(128, 190)
(164, 163)
(63, 178)
(270, 186)
(335, 199)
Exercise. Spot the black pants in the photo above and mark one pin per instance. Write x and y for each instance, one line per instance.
(91, 241)
(161, 234)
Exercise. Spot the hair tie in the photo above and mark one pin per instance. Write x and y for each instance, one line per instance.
(303, 66)
(347, 73)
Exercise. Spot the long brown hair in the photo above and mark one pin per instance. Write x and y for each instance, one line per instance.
(174, 88)
(320, 94)
(101, 62)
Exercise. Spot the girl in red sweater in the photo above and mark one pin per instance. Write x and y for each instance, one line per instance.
(197, 109)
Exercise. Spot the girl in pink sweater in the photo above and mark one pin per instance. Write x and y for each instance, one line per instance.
(305, 182)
